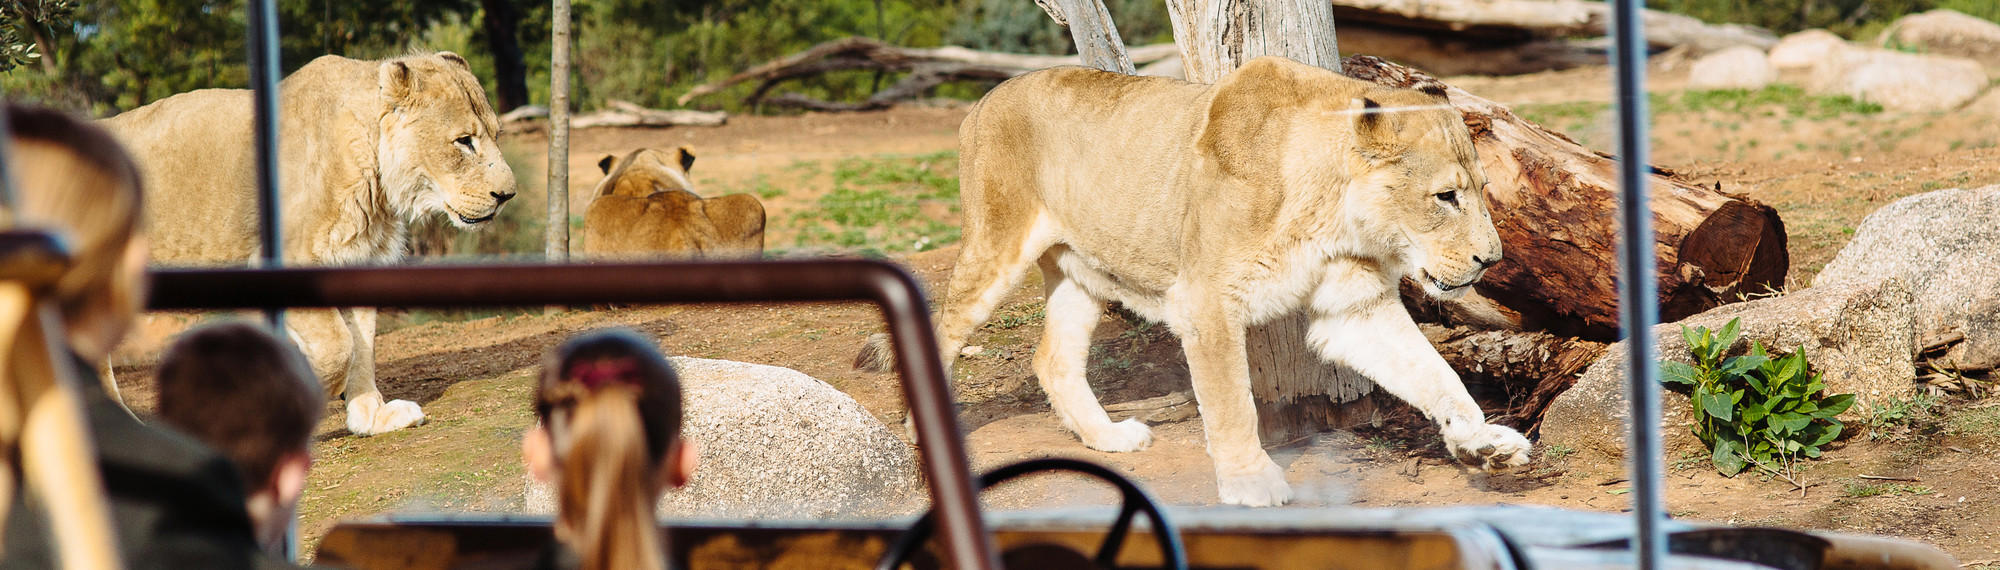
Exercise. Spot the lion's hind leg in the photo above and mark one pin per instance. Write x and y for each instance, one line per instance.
(1061, 360)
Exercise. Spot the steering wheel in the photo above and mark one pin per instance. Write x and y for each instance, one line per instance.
(1134, 500)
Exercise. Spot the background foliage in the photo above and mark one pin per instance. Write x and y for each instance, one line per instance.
(105, 56)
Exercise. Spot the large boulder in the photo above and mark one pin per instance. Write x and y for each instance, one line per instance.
(1900, 81)
(1859, 336)
(1946, 246)
(1740, 67)
(1946, 32)
(776, 443)
(1803, 50)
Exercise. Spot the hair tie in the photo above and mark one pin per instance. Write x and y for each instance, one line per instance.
(599, 373)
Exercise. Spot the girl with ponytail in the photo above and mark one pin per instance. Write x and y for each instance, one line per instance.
(609, 441)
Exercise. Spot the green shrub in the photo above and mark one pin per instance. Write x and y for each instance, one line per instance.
(1755, 410)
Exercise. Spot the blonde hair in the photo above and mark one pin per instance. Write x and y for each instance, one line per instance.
(612, 407)
(73, 176)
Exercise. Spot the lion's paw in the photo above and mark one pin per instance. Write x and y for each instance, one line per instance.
(1120, 437)
(1264, 487)
(369, 415)
(1487, 446)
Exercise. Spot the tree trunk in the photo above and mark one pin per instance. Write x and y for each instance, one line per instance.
(1297, 393)
(510, 72)
(1554, 202)
(1096, 36)
(48, 48)
(1217, 36)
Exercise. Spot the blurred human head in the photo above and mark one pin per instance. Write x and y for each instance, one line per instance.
(609, 407)
(74, 177)
(251, 396)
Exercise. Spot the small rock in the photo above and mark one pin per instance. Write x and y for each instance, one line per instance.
(1740, 67)
(971, 350)
(1900, 81)
(1803, 50)
(1946, 32)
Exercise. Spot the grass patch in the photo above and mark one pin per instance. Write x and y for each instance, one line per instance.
(1794, 100)
(894, 203)
(1859, 490)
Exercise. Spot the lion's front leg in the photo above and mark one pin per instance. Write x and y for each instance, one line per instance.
(1220, 371)
(367, 413)
(1379, 340)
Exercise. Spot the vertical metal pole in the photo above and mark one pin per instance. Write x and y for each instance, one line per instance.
(558, 230)
(1638, 292)
(263, 20)
(6, 155)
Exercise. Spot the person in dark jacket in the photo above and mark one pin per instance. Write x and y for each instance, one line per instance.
(174, 502)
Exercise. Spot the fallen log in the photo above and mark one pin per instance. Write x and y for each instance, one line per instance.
(928, 67)
(1554, 203)
(1524, 20)
(624, 114)
(1522, 370)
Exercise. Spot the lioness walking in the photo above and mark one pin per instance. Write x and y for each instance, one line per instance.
(367, 147)
(1213, 208)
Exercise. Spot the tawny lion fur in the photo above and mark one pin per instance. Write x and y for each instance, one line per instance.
(646, 207)
(365, 148)
(1213, 208)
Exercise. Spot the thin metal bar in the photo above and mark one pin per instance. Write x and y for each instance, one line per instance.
(263, 16)
(6, 153)
(1638, 292)
(556, 248)
(893, 290)
(263, 40)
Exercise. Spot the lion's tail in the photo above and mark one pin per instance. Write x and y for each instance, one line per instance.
(876, 355)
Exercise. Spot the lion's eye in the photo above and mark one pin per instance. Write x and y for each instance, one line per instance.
(464, 141)
(1448, 197)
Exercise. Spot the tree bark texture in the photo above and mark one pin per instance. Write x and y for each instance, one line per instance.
(1090, 26)
(1554, 203)
(1218, 36)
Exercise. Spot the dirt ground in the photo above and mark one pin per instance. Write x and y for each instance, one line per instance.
(1824, 174)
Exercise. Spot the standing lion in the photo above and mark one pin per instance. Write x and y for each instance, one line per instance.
(365, 148)
(1212, 208)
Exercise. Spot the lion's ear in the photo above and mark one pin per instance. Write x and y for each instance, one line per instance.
(454, 58)
(686, 157)
(1374, 128)
(396, 79)
(604, 164)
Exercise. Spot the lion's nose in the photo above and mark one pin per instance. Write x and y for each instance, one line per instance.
(499, 198)
(1485, 262)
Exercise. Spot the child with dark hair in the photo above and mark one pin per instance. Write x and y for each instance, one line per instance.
(251, 396)
(609, 440)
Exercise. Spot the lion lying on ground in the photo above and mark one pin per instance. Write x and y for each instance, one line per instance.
(1214, 208)
(646, 206)
(365, 148)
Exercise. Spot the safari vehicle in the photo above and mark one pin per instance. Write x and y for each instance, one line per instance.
(959, 532)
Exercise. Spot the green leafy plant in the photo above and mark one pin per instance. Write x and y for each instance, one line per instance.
(1755, 410)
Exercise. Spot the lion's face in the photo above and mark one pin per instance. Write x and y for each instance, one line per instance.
(1422, 188)
(439, 147)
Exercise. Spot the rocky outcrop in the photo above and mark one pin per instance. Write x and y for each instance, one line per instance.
(1946, 246)
(1859, 335)
(776, 443)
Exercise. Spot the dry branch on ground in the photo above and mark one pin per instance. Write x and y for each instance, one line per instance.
(624, 114)
(927, 67)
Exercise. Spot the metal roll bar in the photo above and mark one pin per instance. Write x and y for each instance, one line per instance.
(925, 386)
(1638, 291)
